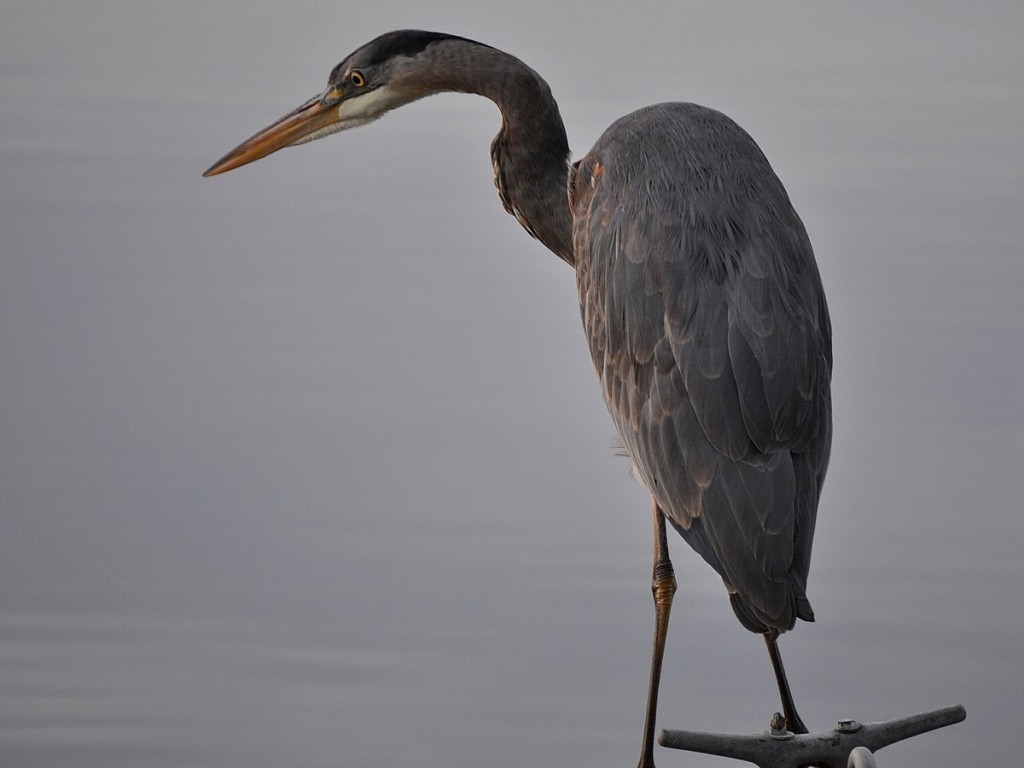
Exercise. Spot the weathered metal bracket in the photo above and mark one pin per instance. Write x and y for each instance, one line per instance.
(849, 745)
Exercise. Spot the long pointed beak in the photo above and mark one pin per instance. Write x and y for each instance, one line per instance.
(317, 114)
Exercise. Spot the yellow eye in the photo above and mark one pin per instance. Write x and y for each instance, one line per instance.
(357, 78)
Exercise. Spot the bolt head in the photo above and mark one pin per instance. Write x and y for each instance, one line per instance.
(847, 725)
(778, 728)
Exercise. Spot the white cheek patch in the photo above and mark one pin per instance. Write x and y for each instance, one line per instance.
(356, 111)
(361, 109)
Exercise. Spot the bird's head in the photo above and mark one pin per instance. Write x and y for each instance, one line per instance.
(389, 71)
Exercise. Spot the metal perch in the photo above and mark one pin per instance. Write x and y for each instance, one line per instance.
(849, 745)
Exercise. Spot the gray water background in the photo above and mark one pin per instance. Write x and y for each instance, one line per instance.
(306, 465)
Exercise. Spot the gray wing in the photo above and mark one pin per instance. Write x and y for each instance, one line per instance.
(709, 331)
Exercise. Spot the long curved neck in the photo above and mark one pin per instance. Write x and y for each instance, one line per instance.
(531, 151)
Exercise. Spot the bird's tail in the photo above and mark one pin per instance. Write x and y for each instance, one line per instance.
(755, 620)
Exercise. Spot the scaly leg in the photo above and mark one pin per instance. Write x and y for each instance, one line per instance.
(793, 721)
(663, 585)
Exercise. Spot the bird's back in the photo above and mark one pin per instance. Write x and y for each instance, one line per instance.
(710, 334)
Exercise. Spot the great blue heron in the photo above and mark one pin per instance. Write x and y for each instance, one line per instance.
(700, 298)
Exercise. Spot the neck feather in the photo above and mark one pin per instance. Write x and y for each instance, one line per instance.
(530, 152)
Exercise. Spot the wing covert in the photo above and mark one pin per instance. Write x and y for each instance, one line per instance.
(708, 328)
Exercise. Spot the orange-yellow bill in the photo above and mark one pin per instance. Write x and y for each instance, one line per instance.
(315, 115)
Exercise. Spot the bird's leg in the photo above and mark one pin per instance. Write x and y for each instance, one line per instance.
(663, 585)
(793, 721)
